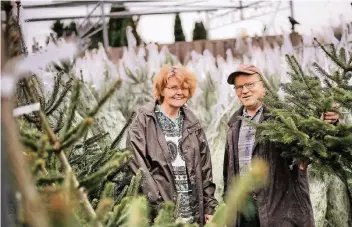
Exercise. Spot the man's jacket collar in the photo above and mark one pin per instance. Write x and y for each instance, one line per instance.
(239, 112)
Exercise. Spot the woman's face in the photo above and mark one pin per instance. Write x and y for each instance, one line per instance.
(175, 94)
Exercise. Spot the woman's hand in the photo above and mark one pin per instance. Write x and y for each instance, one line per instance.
(208, 218)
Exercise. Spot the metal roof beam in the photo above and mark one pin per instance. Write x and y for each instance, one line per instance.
(113, 15)
(80, 3)
(143, 3)
(92, 33)
(127, 14)
(203, 7)
(203, 3)
(83, 33)
(90, 13)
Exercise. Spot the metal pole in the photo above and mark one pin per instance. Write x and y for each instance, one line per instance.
(79, 3)
(241, 11)
(105, 30)
(246, 18)
(291, 7)
(88, 14)
(93, 33)
(124, 14)
(154, 4)
(84, 33)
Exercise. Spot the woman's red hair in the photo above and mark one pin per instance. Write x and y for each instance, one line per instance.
(187, 79)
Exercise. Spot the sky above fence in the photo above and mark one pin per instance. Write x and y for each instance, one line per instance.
(312, 15)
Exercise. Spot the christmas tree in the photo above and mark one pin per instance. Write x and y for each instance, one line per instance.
(178, 30)
(118, 26)
(58, 28)
(66, 160)
(297, 124)
(199, 31)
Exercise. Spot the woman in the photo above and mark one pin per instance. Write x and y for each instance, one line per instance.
(170, 147)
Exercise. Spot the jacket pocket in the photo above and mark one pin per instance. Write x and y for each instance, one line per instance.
(151, 189)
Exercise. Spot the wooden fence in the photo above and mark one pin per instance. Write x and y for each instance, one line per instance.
(217, 47)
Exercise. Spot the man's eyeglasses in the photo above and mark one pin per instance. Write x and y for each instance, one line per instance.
(249, 86)
(175, 88)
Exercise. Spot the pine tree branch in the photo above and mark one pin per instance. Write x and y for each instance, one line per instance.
(237, 195)
(125, 127)
(74, 130)
(55, 90)
(49, 180)
(103, 207)
(73, 105)
(297, 65)
(63, 159)
(166, 215)
(130, 74)
(92, 149)
(52, 108)
(135, 183)
(118, 213)
(290, 62)
(302, 107)
(108, 190)
(59, 123)
(94, 139)
(29, 143)
(334, 57)
(137, 212)
(107, 95)
(40, 87)
(321, 71)
(303, 77)
(35, 120)
(121, 195)
(36, 214)
(116, 163)
(97, 162)
(343, 55)
(76, 136)
(111, 175)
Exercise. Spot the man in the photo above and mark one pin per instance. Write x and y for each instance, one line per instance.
(285, 201)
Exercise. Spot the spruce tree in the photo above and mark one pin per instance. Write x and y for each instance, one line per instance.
(95, 39)
(296, 122)
(65, 156)
(178, 30)
(118, 26)
(199, 31)
(58, 28)
(71, 28)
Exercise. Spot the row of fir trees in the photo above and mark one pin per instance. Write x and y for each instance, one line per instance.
(117, 30)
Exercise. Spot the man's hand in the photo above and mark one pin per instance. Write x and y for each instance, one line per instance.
(208, 218)
(331, 117)
(304, 164)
